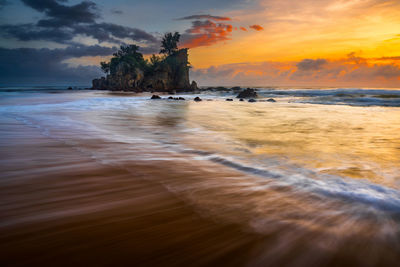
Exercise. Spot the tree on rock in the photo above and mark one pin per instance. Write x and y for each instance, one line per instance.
(127, 58)
(105, 67)
(169, 43)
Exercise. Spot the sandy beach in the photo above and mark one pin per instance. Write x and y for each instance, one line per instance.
(124, 191)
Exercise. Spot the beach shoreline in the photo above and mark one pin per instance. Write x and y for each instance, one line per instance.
(99, 179)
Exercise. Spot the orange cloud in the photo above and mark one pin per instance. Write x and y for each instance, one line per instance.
(256, 27)
(348, 71)
(206, 33)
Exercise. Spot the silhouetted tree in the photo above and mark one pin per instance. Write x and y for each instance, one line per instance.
(105, 67)
(127, 57)
(169, 43)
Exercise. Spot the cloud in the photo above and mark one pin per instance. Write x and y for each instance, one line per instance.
(256, 27)
(208, 30)
(3, 3)
(47, 65)
(319, 72)
(209, 17)
(84, 12)
(63, 23)
(311, 64)
(206, 33)
(117, 11)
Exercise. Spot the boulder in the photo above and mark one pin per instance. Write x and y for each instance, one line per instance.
(197, 99)
(252, 100)
(248, 93)
(100, 84)
(229, 99)
(155, 97)
(271, 100)
(241, 99)
(193, 86)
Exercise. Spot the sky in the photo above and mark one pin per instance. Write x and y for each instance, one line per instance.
(331, 43)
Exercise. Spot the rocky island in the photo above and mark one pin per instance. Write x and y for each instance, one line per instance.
(129, 71)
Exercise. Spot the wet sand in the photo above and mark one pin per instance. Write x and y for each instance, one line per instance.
(60, 208)
(61, 205)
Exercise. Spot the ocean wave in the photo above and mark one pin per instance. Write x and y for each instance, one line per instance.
(353, 97)
(342, 188)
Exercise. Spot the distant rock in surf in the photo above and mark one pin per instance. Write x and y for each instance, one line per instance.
(155, 97)
(197, 99)
(252, 100)
(236, 88)
(229, 99)
(248, 93)
(271, 100)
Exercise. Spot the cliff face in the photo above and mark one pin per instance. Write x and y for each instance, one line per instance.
(172, 74)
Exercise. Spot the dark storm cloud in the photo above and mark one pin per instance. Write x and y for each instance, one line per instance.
(29, 32)
(107, 32)
(84, 12)
(311, 64)
(41, 65)
(63, 23)
(197, 17)
(3, 3)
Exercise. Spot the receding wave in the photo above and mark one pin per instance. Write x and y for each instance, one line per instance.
(363, 192)
(353, 97)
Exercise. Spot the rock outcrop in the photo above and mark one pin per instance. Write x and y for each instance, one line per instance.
(171, 74)
(248, 93)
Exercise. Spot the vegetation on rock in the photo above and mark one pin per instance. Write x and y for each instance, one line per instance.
(128, 70)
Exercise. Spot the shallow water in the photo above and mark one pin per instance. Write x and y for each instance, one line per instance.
(313, 178)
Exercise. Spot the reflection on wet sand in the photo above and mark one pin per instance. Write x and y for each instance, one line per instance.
(128, 183)
(61, 206)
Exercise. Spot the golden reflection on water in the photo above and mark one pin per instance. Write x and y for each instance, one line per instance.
(104, 187)
(358, 142)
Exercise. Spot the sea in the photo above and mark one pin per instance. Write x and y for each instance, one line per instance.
(101, 177)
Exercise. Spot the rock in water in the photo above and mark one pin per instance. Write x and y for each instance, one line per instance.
(252, 100)
(181, 98)
(248, 93)
(241, 99)
(171, 74)
(229, 99)
(197, 99)
(193, 86)
(271, 100)
(155, 97)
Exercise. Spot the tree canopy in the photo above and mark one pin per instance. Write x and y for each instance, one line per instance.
(128, 57)
(169, 43)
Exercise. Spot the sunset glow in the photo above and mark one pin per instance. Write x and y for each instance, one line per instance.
(245, 42)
